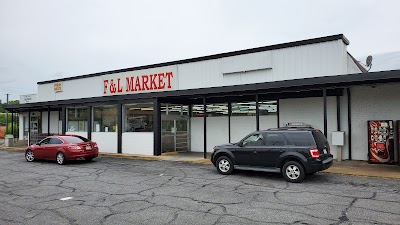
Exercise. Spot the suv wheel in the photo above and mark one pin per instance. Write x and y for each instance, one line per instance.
(224, 165)
(293, 171)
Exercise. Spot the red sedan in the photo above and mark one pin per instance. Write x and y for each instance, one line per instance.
(63, 148)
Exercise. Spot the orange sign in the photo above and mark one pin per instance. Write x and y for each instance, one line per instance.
(58, 87)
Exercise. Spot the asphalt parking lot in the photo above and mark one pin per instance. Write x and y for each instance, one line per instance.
(133, 191)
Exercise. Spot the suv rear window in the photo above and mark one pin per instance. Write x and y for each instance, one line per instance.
(300, 138)
(75, 139)
(320, 139)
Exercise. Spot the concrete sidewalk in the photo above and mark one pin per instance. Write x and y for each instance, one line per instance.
(347, 167)
(363, 168)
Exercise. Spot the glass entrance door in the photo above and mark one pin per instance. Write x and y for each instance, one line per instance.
(175, 133)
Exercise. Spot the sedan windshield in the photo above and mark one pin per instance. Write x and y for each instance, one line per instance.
(75, 139)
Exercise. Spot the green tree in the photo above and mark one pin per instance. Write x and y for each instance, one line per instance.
(2, 107)
(13, 102)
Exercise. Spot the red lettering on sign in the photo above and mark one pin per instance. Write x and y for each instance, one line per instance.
(105, 86)
(119, 86)
(161, 83)
(113, 89)
(145, 79)
(130, 85)
(137, 86)
(156, 81)
(153, 84)
(169, 75)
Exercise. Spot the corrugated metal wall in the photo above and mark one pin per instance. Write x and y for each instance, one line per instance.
(321, 59)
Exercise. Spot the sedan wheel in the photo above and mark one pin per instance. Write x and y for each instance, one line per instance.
(224, 165)
(29, 156)
(293, 172)
(60, 158)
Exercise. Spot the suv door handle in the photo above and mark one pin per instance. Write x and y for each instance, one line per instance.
(255, 152)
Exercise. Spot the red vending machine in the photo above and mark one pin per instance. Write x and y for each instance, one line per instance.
(381, 143)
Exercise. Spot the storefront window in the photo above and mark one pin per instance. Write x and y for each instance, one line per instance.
(77, 119)
(268, 107)
(174, 109)
(197, 110)
(249, 108)
(244, 109)
(105, 118)
(138, 117)
(238, 109)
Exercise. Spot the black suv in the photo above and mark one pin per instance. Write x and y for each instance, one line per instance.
(294, 152)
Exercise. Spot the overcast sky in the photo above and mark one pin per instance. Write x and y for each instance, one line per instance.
(45, 39)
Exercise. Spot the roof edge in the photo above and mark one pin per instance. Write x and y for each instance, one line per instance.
(209, 57)
(358, 64)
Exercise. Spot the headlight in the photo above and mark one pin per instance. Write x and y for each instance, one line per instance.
(212, 150)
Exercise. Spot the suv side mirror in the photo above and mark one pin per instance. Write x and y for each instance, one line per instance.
(240, 144)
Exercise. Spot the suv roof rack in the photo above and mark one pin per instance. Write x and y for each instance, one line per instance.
(290, 128)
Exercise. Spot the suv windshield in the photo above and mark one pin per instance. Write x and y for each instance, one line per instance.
(75, 139)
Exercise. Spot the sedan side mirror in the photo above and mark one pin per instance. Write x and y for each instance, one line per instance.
(37, 143)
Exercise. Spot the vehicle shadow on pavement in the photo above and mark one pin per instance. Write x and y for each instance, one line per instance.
(73, 162)
(276, 176)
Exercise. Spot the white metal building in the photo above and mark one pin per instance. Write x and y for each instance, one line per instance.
(155, 108)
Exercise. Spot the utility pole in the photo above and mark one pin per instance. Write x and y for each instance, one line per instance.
(7, 114)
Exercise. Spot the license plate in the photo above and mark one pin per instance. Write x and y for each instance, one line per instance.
(325, 151)
(88, 147)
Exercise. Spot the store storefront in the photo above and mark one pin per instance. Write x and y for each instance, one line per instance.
(195, 104)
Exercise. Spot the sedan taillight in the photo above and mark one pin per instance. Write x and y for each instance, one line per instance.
(75, 147)
(95, 145)
(314, 153)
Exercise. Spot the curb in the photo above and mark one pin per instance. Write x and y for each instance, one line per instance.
(12, 148)
(361, 175)
(154, 158)
(130, 156)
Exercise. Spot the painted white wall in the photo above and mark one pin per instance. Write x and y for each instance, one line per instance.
(54, 122)
(107, 141)
(74, 89)
(270, 121)
(321, 59)
(380, 102)
(83, 134)
(310, 111)
(217, 129)
(243, 125)
(21, 125)
(196, 134)
(141, 143)
(217, 132)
